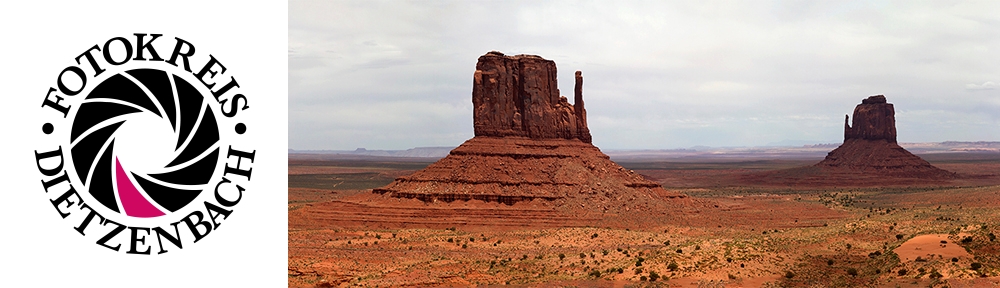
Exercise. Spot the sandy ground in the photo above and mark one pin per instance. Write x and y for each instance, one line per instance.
(931, 246)
(742, 237)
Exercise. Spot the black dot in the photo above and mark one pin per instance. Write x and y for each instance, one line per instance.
(47, 128)
(241, 128)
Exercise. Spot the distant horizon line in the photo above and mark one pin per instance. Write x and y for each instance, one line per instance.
(691, 148)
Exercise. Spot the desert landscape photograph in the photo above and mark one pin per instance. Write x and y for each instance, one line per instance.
(706, 147)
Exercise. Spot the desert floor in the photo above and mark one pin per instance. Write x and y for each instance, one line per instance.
(750, 235)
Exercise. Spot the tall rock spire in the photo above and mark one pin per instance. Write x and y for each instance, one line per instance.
(519, 96)
(874, 119)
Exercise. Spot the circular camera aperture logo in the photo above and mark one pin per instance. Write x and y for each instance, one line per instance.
(142, 152)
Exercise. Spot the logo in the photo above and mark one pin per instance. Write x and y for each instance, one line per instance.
(142, 153)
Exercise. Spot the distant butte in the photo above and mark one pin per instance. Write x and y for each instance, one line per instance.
(529, 144)
(870, 146)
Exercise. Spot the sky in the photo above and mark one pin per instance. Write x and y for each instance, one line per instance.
(657, 74)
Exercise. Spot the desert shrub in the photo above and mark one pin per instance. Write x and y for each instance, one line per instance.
(637, 271)
(595, 273)
(728, 259)
(789, 275)
(643, 278)
(464, 246)
(561, 256)
(954, 259)
(666, 243)
(653, 276)
(902, 272)
(583, 255)
(450, 240)
(935, 274)
(967, 239)
(899, 236)
(592, 237)
(992, 237)
(920, 260)
(697, 247)
(605, 252)
(829, 262)
(975, 266)
(732, 277)
(621, 270)
(672, 266)
(851, 271)
(874, 254)
(679, 251)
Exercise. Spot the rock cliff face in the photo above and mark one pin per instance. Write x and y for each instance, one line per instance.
(530, 144)
(870, 146)
(519, 96)
(874, 119)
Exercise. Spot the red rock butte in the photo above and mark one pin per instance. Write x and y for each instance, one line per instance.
(529, 144)
(870, 146)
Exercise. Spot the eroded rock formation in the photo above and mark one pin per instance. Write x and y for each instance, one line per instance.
(530, 144)
(519, 96)
(874, 119)
(870, 146)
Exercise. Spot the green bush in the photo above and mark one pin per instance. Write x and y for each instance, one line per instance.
(595, 273)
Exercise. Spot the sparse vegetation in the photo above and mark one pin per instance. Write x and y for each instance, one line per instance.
(859, 251)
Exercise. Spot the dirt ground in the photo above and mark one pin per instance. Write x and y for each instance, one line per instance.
(734, 234)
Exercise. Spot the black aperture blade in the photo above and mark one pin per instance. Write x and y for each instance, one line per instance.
(100, 183)
(92, 113)
(198, 173)
(206, 136)
(158, 83)
(189, 101)
(86, 150)
(120, 88)
(170, 198)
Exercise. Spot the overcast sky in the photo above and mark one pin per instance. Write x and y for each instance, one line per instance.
(397, 75)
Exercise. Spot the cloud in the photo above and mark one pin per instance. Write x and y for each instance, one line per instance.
(988, 85)
(658, 74)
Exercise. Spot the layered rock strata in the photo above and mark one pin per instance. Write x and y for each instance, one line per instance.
(529, 144)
